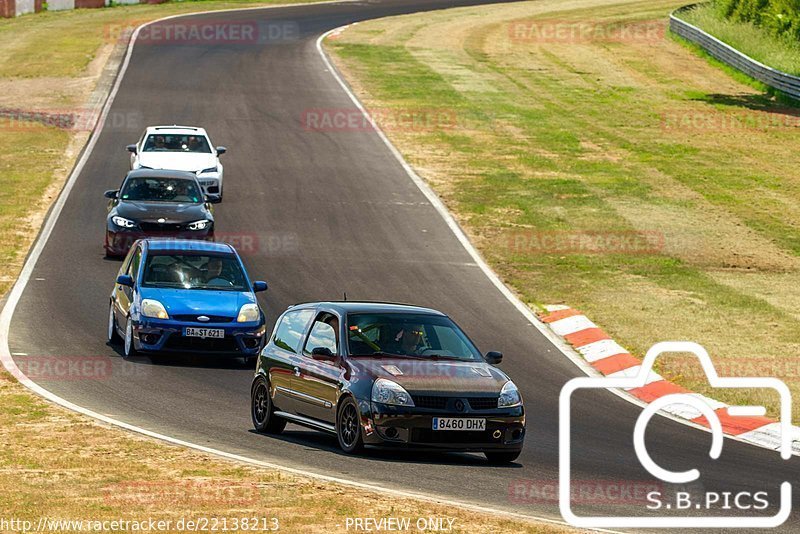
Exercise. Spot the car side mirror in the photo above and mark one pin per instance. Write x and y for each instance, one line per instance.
(213, 199)
(111, 193)
(323, 354)
(259, 286)
(493, 357)
(131, 149)
(125, 280)
(221, 150)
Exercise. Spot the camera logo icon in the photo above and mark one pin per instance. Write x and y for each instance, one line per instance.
(675, 477)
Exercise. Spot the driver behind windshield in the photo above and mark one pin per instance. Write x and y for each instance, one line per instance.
(214, 274)
(407, 340)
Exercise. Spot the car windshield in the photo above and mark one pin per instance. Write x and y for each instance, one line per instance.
(176, 143)
(161, 190)
(408, 335)
(194, 271)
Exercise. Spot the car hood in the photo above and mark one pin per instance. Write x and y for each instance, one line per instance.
(172, 212)
(433, 377)
(177, 161)
(198, 301)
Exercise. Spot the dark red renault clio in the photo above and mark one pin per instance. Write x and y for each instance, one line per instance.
(386, 375)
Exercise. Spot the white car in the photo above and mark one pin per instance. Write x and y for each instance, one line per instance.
(180, 148)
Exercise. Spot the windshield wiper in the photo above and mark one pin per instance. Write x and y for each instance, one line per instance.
(444, 357)
(380, 354)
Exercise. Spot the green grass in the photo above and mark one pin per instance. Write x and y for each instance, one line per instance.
(779, 53)
(571, 141)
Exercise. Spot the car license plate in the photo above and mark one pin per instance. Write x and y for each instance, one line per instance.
(458, 423)
(217, 333)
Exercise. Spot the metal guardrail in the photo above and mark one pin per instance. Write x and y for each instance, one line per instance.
(786, 83)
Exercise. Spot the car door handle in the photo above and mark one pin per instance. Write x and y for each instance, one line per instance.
(296, 371)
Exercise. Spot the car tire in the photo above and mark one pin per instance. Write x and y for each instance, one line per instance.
(348, 426)
(113, 335)
(128, 347)
(262, 410)
(502, 457)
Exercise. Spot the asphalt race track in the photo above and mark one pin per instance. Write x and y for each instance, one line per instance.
(319, 214)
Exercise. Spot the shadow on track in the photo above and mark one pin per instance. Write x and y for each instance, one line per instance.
(314, 440)
(199, 361)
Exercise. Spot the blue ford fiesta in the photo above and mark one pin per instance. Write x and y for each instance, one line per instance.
(185, 296)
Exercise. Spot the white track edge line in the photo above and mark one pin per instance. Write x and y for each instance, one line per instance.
(437, 203)
(24, 277)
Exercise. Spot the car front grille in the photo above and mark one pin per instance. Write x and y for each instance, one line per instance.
(192, 318)
(430, 401)
(433, 402)
(482, 403)
(160, 227)
(179, 342)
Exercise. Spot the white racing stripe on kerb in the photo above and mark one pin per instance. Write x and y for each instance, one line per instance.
(570, 325)
(686, 411)
(598, 350)
(770, 436)
(747, 411)
(633, 372)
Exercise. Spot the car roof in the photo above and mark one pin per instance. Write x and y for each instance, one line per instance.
(347, 306)
(161, 173)
(192, 245)
(166, 129)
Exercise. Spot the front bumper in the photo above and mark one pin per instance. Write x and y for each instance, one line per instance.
(211, 183)
(157, 335)
(412, 428)
(118, 241)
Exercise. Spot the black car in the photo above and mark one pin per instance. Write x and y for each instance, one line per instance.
(157, 203)
(386, 375)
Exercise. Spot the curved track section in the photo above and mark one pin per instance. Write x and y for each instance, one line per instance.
(318, 214)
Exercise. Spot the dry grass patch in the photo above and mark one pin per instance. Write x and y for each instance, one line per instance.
(61, 465)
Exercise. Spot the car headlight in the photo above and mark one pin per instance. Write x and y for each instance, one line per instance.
(387, 392)
(199, 225)
(509, 396)
(210, 169)
(122, 222)
(248, 314)
(153, 308)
